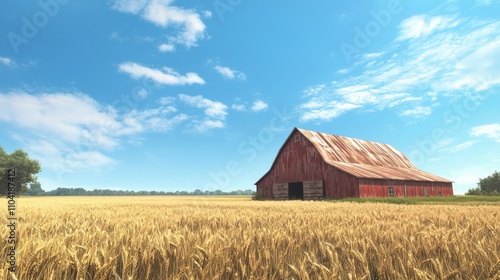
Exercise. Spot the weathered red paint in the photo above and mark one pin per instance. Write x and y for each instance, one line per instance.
(299, 160)
(380, 188)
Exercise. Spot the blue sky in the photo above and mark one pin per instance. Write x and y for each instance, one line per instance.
(184, 95)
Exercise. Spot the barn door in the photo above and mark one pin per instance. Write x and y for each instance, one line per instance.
(313, 190)
(280, 191)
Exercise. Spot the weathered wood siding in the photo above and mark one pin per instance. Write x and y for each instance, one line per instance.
(380, 188)
(299, 161)
(313, 190)
(280, 191)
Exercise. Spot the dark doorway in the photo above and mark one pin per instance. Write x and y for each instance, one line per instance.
(296, 190)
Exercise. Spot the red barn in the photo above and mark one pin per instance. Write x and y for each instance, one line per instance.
(314, 165)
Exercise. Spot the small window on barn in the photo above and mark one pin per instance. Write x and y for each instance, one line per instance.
(296, 138)
(391, 191)
(440, 193)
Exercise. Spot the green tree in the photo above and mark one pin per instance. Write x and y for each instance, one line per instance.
(25, 169)
(490, 184)
(35, 189)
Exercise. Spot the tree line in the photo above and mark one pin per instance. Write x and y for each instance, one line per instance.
(35, 189)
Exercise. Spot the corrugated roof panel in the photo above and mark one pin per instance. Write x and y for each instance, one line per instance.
(386, 172)
(350, 150)
(366, 159)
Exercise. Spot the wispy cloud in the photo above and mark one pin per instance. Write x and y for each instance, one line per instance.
(487, 130)
(259, 105)
(166, 76)
(238, 107)
(423, 25)
(214, 112)
(163, 14)
(166, 48)
(7, 61)
(438, 56)
(71, 131)
(229, 73)
(129, 6)
(316, 110)
(256, 106)
(459, 147)
(486, 2)
(417, 112)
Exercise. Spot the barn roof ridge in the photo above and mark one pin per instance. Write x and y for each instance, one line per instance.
(341, 136)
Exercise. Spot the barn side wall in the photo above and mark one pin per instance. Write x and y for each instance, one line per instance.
(299, 161)
(380, 188)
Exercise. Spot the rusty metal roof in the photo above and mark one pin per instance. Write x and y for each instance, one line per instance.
(387, 172)
(366, 159)
(349, 150)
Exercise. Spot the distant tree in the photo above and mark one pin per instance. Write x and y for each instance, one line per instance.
(25, 169)
(35, 189)
(474, 191)
(248, 192)
(197, 192)
(489, 185)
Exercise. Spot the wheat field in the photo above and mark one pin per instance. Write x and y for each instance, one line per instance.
(237, 238)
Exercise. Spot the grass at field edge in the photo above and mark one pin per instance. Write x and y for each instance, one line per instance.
(460, 199)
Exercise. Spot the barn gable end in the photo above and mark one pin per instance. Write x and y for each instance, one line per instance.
(344, 167)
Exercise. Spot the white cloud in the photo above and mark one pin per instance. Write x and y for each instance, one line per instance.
(479, 70)
(238, 107)
(314, 90)
(372, 55)
(487, 130)
(255, 106)
(117, 37)
(166, 48)
(423, 25)
(166, 76)
(442, 144)
(215, 112)
(343, 71)
(207, 14)
(446, 57)
(160, 12)
(207, 124)
(212, 108)
(325, 111)
(417, 112)
(69, 132)
(166, 100)
(7, 61)
(459, 147)
(259, 105)
(229, 73)
(130, 6)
